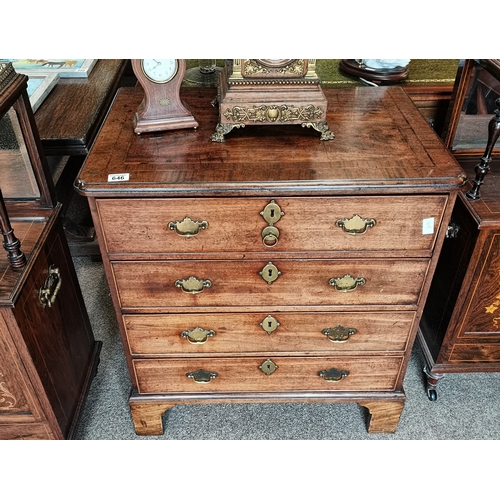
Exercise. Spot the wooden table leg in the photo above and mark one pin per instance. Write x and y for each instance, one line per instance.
(147, 417)
(384, 415)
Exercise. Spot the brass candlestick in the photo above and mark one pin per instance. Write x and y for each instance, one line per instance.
(16, 257)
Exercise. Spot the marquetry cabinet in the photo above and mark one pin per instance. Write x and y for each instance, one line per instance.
(48, 355)
(460, 327)
(274, 266)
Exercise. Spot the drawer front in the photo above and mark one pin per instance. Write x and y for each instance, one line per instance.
(299, 283)
(292, 374)
(475, 353)
(383, 223)
(226, 333)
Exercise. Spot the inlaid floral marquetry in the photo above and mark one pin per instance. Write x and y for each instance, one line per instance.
(7, 399)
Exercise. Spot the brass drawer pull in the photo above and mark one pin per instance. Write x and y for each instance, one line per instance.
(197, 335)
(339, 334)
(272, 213)
(270, 236)
(355, 225)
(347, 283)
(187, 227)
(202, 376)
(193, 285)
(333, 374)
(48, 292)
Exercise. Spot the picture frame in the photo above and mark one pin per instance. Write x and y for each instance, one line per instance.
(65, 68)
(40, 85)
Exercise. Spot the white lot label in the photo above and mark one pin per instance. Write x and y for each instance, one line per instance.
(118, 177)
(428, 226)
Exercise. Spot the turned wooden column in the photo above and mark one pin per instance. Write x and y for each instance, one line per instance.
(15, 255)
(483, 167)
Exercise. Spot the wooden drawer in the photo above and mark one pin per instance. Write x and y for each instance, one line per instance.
(226, 333)
(292, 374)
(238, 283)
(236, 224)
(475, 353)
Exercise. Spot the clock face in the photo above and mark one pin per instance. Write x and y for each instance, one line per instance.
(159, 70)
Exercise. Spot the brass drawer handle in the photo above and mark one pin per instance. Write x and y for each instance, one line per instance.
(197, 335)
(270, 236)
(355, 225)
(333, 374)
(192, 284)
(187, 227)
(339, 334)
(202, 376)
(48, 292)
(347, 283)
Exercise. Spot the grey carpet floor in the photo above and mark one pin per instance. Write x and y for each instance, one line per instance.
(468, 405)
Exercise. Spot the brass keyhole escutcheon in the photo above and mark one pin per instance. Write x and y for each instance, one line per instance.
(272, 213)
(270, 273)
(338, 334)
(269, 324)
(355, 225)
(268, 367)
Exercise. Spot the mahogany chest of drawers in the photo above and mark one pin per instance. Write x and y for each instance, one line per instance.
(274, 266)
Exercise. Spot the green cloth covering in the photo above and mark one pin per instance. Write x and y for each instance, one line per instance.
(422, 72)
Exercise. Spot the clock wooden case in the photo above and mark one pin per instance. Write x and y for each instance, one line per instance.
(161, 108)
(270, 92)
(48, 355)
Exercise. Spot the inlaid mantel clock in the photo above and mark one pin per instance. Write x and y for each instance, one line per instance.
(270, 92)
(162, 108)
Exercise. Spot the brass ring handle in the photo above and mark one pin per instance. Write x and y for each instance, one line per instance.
(347, 283)
(333, 374)
(355, 225)
(187, 227)
(193, 285)
(270, 236)
(339, 334)
(197, 335)
(48, 292)
(202, 376)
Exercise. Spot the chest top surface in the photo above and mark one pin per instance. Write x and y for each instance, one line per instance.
(381, 142)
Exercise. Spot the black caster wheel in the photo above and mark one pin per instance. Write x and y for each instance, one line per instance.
(432, 394)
